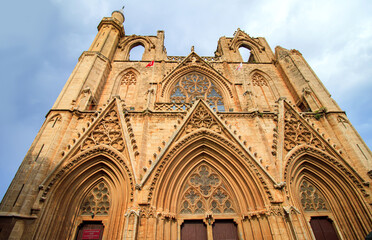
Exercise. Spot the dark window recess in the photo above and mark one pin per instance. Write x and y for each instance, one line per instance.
(303, 107)
(225, 230)
(92, 230)
(92, 106)
(323, 228)
(193, 230)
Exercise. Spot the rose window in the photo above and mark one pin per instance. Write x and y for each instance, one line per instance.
(194, 86)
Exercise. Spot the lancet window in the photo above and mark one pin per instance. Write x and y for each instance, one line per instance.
(97, 202)
(195, 86)
(204, 192)
(262, 91)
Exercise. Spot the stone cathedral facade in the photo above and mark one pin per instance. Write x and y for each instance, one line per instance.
(191, 147)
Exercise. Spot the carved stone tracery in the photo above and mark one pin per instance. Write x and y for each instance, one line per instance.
(176, 107)
(107, 132)
(311, 198)
(205, 192)
(202, 118)
(258, 80)
(296, 133)
(129, 78)
(97, 202)
(195, 86)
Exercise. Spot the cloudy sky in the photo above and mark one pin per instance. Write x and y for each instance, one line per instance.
(42, 40)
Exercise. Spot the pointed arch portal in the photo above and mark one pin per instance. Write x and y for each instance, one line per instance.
(325, 195)
(86, 196)
(204, 181)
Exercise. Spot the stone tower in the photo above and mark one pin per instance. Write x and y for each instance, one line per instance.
(191, 147)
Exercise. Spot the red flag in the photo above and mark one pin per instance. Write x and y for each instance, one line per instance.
(150, 64)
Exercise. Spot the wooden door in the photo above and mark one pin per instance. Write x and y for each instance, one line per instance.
(90, 230)
(323, 228)
(225, 230)
(194, 230)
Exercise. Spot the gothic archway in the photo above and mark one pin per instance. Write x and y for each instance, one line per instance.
(94, 185)
(320, 189)
(205, 168)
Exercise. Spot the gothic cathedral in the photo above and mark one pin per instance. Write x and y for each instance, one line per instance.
(191, 147)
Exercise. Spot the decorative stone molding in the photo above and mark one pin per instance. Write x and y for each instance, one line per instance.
(202, 118)
(90, 153)
(107, 132)
(296, 133)
(175, 58)
(306, 91)
(218, 138)
(370, 174)
(280, 185)
(180, 59)
(147, 211)
(177, 107)
(254, 214)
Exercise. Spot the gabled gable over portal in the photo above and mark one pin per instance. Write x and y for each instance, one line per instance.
(202, 123)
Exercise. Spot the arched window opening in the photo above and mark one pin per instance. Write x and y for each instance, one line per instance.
(136, 53)
(246, 55)
(194, 86)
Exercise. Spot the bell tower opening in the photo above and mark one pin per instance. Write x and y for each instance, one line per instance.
(246, 54)
(136, 53)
